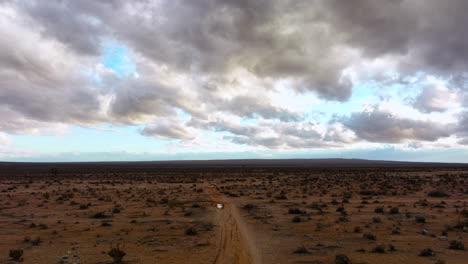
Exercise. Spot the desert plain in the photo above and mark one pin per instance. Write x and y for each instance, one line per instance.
(103, 214)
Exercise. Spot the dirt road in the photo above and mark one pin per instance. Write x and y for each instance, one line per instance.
(236, 244)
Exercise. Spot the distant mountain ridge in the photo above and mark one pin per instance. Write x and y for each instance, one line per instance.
(234, 163)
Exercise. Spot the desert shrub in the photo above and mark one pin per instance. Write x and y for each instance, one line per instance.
(116, 254)
(36, 242)
(427, 252)
(457, 245)
(188, 213)
(391, 247)
(437, 193)
(420, 219)
(461, 224)
(357, 229)
(376, 220)
(379, 249)
(464, 213)
(295, 211)
(296, 219)
(301, 250)
(100, 215)
(281, 197)
(342, 259)
(248, 207)
(191, 231)
(343, 219)
(16, 254)
(206, 226)
(379, 210)
(395, 210)
(369, 236)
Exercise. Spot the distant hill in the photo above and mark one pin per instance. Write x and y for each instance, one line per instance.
(20, 167)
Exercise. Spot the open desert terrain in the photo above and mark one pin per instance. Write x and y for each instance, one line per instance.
(252, 212)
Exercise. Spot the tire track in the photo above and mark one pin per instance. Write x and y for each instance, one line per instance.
(235, 244)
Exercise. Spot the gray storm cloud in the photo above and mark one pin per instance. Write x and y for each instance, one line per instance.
(167, 130)
(48, 48)
(381, 126)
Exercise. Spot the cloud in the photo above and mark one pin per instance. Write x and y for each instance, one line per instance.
(167, 130)
(249, 106)
(462, 128)
(380, 126)
(5, 140)
(420, 36)
(278, 135)
(39, 78)
(234, 128)
(435, 98)
(220, 61)
(268, 38)
(15, 123)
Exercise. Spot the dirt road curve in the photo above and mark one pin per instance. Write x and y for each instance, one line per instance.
(235, 245)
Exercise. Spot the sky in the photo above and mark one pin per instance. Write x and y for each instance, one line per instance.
(116, 80)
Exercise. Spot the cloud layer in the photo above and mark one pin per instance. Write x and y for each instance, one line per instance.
(232, 67)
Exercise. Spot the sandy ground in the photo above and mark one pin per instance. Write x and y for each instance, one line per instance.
(267, 216)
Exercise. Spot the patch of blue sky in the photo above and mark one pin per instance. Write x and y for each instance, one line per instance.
(117, 58)
(325, 110)
(92, 139)
(182, 113)
(369, 93)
